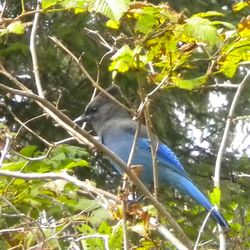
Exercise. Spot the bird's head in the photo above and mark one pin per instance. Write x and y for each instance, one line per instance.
(102, 109)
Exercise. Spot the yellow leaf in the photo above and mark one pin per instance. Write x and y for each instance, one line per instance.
(244, 27)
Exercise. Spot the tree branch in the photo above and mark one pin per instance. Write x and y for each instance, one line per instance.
(86, 74)
(33, 51)
(226, 131)
(217, 168)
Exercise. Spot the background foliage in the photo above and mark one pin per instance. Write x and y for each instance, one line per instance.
(197, 51)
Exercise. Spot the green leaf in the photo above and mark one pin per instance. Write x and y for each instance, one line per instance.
(3, 32)
(49, 3)
(147, 19)
(215, 196)
(189, 84)
(81, 163)
(28, 151)
(112, 9)
(226, 24)
(16, 27)
(112, 24)
(233, 55)
(201, 29)
(14, 166)
(244, 27)
(76, 5)
(208, 14)
(98, 216)
(241, 5)
(121, 59)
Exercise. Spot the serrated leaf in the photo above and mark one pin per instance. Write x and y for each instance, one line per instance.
(112, 9)
(202, 30)
(16, 27)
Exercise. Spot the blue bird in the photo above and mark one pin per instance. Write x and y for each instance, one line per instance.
(116, 130)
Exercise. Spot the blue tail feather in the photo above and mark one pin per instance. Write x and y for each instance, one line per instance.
(185, 185)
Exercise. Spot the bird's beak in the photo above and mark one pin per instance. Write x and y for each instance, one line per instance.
(83, 118)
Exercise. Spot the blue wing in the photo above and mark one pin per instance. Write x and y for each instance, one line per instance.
(164, 155)
(172, 172)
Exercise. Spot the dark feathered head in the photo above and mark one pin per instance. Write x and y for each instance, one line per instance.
(103, 109)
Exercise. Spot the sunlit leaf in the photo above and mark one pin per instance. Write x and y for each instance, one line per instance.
(49, 3)
(241, 5)
(14, 166)
(113, 24)
(201, 29)
(16, 27)
(226, 24)
(208, 14)
(110, 8)
(146, 19)
(189, 84)
(122, 59)
(215, 196)
(76, 5)
(81, 163)
(244, 27)
(3, 32)
(232, 55)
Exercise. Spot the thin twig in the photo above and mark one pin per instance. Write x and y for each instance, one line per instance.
(242, 175)
(217, 168)
(221, 86)
(27, 218)
(3, 9)
(167, 234)
(39, 158)
(151, 137)
(55, 176)
(104, 237)
(5, 149)
(12, 206)
(102, 40)
(202, 228)
(89, 77)
(226, 131)
(10, 230)
(124, 187)
(30, 130)
(12, 78)
(33, 51)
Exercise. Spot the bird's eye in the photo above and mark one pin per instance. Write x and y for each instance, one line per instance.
(94, 109)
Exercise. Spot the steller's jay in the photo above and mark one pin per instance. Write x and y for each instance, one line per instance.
(116, 130)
